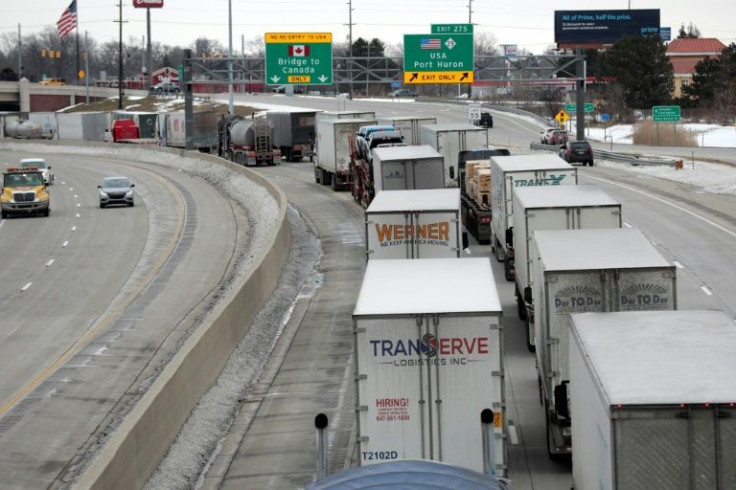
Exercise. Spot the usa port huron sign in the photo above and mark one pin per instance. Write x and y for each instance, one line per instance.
(438, 58)
(303, 58)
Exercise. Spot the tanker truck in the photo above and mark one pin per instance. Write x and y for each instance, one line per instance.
(247, 141)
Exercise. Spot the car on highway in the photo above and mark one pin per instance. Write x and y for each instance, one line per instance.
(577, 152)
(116, 190)
(164, 88)
(558, 137)
(546, 134)
(486, 120)
(40, 164)
(281, 89)
(402, 92)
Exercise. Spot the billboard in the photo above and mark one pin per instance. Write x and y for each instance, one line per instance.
(148, 4)
(603, 26)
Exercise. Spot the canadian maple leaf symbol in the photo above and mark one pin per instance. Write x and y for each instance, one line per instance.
(298, 50)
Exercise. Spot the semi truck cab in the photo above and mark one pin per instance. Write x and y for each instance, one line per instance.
(24, 191)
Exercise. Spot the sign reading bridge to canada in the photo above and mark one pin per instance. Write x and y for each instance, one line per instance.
(303, 58)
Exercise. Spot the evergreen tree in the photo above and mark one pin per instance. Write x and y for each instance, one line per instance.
(641, 67)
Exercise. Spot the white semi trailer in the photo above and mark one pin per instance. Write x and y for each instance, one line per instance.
(553, 208)
(415, 224)
(577, 271)
(652, 400)
(429, 363)
(516, 171)
(449, 140)
(334, 148)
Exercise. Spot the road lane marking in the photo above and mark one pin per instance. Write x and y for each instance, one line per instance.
(78, 215)
(65, 243)
(48, 264)
(706, 290)
(103, 322)
(627, 225)
(76, 196)
(26, 286)
(79, 205)
(74, 228)
(668, 203)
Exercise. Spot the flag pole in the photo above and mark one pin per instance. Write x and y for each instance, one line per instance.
(77, 45)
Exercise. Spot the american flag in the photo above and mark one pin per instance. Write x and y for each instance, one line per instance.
(68, 20)
(430, 43)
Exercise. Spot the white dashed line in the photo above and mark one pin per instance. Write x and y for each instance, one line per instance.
(678, 265)
(74, 228)
(706, 290)
(76, 196)
(48, 264)
(71, 189)
(65, 243)
(63, 183)
(627, 225)
(78, 215)
(26, 286)
(79, 205)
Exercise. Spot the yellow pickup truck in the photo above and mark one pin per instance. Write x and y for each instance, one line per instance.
(24, 192)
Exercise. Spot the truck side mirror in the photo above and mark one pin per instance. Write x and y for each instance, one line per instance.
(99, 187)
(465, 240)
(452, 172)
(132, 185)
(528, 295)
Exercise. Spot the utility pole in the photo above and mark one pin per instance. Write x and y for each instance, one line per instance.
(470, 21)
(350, 49)
(20, 55)
(149, 54)
(120, 56)
(86, 68)
(231, 107)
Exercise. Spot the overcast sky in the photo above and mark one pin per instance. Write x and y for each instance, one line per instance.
(528, 24)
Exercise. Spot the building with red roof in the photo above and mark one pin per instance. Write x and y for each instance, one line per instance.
(685, 53)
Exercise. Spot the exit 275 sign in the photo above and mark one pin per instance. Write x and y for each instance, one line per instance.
(298, 58)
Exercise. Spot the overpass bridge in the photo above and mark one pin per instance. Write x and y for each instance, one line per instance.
(24, 96)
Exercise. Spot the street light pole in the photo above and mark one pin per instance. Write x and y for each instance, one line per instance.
(231, 106)
(120, 57)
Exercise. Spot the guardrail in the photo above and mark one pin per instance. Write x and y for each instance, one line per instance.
(631, 159)
(519, 112)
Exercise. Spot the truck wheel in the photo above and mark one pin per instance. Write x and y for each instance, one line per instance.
(5, 214)
(520, 307)
(528, 327)
(539, 385)
(326, 177)
(46, 212)
(333, 182)
(508, 272)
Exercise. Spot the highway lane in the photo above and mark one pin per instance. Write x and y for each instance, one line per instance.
(125, 286)
(692, 242)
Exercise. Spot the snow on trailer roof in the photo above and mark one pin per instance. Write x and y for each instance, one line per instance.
(427, 286)
(406, 153)
(525, 163)
(660, 357)
(616, 248)
(415, 200)
(564, 196)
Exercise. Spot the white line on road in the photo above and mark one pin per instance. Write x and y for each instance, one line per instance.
(78, 215)
(76, 196)
(63, 182)
(627, 225)
(678, 265)
(26, 286)
(71, 189)
(706, 290)
(48, 264)
(74, 228)
(65, 243)
(668, 203)
(79, 205)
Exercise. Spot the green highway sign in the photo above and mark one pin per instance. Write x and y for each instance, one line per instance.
(666, 113)
(303, 58)
(452, 28)
(587, 107)
(438, 58)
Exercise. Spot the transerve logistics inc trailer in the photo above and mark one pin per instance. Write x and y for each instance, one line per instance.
(429, 362)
